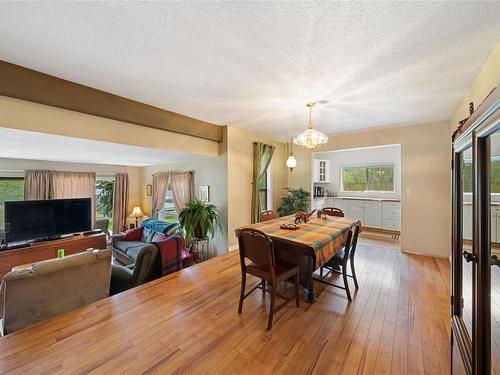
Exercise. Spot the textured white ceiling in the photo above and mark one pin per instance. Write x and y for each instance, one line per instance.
(255, 64)
(20, 144)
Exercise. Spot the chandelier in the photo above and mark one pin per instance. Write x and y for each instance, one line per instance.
(311, 138)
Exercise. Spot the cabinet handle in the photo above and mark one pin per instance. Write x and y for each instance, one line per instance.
(469, 257)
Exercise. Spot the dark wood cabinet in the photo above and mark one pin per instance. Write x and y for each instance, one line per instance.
(475, 299)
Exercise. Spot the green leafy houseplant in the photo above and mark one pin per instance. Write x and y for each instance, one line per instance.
(199, 220)
(105, 197)
(296, 200)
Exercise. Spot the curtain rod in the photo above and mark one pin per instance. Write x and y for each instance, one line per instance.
(170, 172)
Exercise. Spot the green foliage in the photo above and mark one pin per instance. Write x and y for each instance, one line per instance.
(199, 220)
(368, 178)
(296, 200)
(105, 197)
(494, 175)
(10, 190)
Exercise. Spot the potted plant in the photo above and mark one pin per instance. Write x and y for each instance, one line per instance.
(199, 220)
(296, 200)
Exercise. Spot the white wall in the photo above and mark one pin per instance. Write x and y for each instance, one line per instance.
(390, 154)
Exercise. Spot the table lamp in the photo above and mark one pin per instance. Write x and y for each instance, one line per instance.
(136, 213)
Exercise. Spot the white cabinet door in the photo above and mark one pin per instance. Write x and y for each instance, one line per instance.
(321, 171)
(343, 204)
(324, 167)
(315, 170)
(357, 211)
(373, 214)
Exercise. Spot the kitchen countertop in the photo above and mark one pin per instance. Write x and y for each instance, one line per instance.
(363, 199)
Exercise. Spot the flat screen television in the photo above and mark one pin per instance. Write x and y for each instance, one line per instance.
(29, 220)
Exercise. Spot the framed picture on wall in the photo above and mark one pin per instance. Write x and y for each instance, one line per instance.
(204, 192)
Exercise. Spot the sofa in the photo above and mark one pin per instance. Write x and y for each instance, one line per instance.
(53, 287)
(126, 251)
(147, 267)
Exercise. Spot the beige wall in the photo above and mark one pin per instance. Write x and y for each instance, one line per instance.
(487, 79)
(425, 181)
(16, 168)
(239, 167)
(24, 115)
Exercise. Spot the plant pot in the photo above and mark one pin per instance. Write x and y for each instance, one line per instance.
(198, 233)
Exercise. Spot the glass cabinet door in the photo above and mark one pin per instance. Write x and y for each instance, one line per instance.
(467, 229)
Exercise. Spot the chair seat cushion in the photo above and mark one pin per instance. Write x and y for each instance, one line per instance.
(279, 269)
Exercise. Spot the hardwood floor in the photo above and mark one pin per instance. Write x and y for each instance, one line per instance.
(398, 323)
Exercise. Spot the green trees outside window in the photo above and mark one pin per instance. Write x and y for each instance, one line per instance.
(368, 178)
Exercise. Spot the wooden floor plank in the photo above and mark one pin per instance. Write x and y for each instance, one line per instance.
(187, 322)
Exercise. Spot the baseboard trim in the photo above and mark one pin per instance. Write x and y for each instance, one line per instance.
(232, 248)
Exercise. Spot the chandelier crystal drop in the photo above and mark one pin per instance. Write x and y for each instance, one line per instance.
(311, 138)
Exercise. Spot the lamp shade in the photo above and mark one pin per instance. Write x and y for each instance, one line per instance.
(136, 212)
(291, 162)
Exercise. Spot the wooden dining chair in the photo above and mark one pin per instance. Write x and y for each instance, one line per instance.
(338, 264)
(333, 211)
(258, 248)
(267, 215)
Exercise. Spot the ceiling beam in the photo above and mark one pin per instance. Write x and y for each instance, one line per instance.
(26, 84)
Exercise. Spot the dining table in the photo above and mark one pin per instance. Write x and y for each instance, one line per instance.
(309, 246)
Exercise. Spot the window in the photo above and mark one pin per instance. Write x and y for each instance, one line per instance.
(104, 187)
(11, 189)
(265, 191)
(494, 175)
(169, 213)
(368, 178)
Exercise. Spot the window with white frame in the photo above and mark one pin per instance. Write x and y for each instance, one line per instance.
(169, 213)
(368, 178)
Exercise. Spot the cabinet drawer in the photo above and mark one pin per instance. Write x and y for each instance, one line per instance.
(391, 213)
(372, 204)
(391, 224)
(391, 205)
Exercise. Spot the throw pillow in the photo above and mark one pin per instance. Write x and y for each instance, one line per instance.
(132, 234)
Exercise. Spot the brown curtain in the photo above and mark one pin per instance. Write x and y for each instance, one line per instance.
(160, 183)
(182, 188)
(37, 185)
(262, 155)
(120, 202)
(73, 185)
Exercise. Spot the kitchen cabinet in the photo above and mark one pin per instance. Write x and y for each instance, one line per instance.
(372, 213)
(321, 171)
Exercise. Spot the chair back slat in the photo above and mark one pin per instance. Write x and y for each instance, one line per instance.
(256, 246)
(333, 211)
(267, 215)
(350, 244)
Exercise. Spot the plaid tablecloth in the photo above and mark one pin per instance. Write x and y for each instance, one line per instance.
(325, 238)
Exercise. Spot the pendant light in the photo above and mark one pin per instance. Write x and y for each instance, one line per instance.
(291, 162)
(311, 138)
